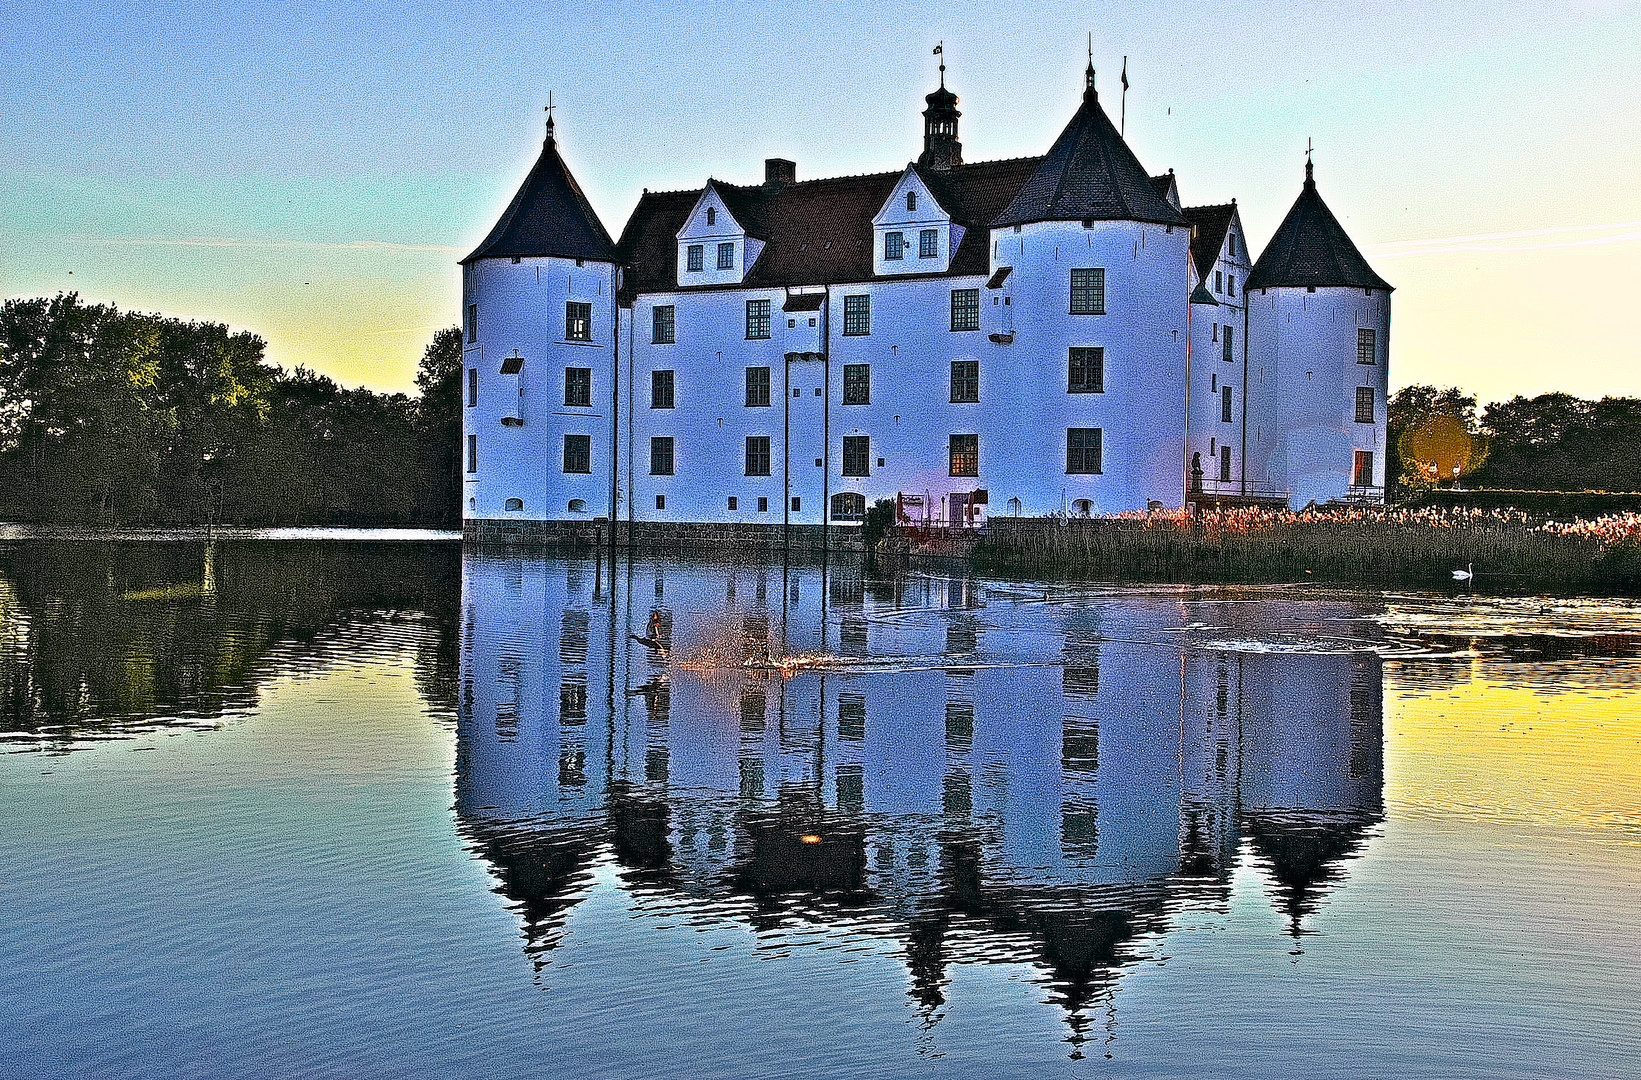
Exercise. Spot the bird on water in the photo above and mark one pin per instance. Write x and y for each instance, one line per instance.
(1466, 574)
(652, 636)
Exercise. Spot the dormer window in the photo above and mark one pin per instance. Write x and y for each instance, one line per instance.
(911, 200)
(695, 257)
(712, 215)
(726, 256)
(894, 245)
(928, 244)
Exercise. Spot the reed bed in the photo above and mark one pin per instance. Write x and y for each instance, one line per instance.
(1511, 550)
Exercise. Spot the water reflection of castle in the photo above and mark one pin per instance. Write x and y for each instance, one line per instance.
(1002, 778)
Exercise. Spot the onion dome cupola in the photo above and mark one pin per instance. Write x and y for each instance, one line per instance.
(548, 217)
(941, 150)
(1311, 249)
(1090, 174)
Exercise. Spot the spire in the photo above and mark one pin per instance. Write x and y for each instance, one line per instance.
(549, 109)
(549, 215)
(1089, 93)
(1312, 249)
(1090, 174)
(941, 150)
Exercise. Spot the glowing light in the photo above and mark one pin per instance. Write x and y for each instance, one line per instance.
(809, 838)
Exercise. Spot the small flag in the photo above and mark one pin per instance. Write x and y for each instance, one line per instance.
(940, 50)
(1125, 73)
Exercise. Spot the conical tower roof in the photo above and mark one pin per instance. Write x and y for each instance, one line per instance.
(548, 216)
(1310, 248)
(1090, 174)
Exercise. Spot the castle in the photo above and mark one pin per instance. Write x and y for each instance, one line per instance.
(1047, 335)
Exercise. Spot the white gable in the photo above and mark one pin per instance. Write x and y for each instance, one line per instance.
(713, 242)
(903, 227)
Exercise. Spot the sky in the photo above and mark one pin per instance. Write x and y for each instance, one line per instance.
(311, 171)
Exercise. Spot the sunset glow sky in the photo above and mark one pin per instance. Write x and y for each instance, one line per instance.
(312, 171)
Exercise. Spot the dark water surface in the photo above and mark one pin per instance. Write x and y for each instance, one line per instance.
(349, 808)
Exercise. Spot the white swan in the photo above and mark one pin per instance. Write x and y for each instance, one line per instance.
(1466, 574)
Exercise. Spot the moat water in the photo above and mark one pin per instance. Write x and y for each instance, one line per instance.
(349, 807)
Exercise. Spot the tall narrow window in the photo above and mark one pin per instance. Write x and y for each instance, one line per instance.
(472, 323)
(1225, 404)
(1367, 343)
(578, 453)
(1088, 291)
(757, 319)
(694, 257)
(857, 384)
(928, 244)
(1230, 284)
(578, 386)
(578, 322)
(965, 309)
(894, 245)
(964, 452)
(1219, 281)
(472, 387)
(757, 386)
(661, 455)
(726, 256)
(857, 455)
(472, 453)
(1229, 354)
(661, 389)
(965, 380)
(1364, 404)
(757, 455)
(857, 315)
(911, 200)
(1362, 474)
(1083, 450)
(1085, 373)
(664, 325)
(712, 215)
(1225, 462)
(1230, 244)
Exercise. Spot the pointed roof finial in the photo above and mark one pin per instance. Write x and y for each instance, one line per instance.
(1310, 175)
(1088, 76)
(940, 51)
(549, 109)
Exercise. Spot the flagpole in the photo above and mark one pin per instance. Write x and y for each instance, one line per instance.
(1123, 130)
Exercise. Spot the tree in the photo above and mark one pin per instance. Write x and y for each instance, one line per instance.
(1435, 435)
(439, 427)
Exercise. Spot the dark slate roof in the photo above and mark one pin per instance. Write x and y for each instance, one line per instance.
(1310, 248)
(804, 302)
(1210, 223)
(1090, 174)
(818, 232)
(548, 216)
(1201, 295)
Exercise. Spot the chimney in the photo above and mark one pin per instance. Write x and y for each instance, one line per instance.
(778, 171)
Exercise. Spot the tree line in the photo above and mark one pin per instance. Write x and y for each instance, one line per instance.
(116, 417)
(1551, 442)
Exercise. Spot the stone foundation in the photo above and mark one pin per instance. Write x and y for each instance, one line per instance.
(644, 536)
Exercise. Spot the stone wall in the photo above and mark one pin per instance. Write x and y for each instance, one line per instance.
(728, 538)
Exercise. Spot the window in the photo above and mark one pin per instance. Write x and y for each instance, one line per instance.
(1088, 291)
(1364, 404)
(857, 384)
(763, 504)
(578, 453)
(848, 506)
(694, 257)
(1363, 472)
(757, 319)
(664, 326)
(911, 200)
(1083, 449)
(1230, 244)
(661, 455)
(1225, 462)
(578, 322)
(732, 502)
(472, 453)
(660, 389)
(965, 309)
(1229, 356)
(472, 323)
(712, 215)
(577, 506)
(660, 502)
(857, 315)
(894, 245)
(797, 504)
(965, 380)
(857, 456)
(578, 386)
(513, 504)
(1085, 374)
(1367, 345)
(1219, 281)
(1225, 404)
(472, 387)
(1230, 284)
(757, 455)
(726, 255)
(757, 386)
(928, 244)
(964, 451)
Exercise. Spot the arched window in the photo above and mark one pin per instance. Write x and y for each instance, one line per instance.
(513, 504)
(911, 200)
(848, 506)
(472, 504)
(578, 506)
(1083, 507)
(712, 215)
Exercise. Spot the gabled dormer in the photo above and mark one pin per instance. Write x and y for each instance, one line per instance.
(913, 233)
(1220, 263)
(714, 246)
